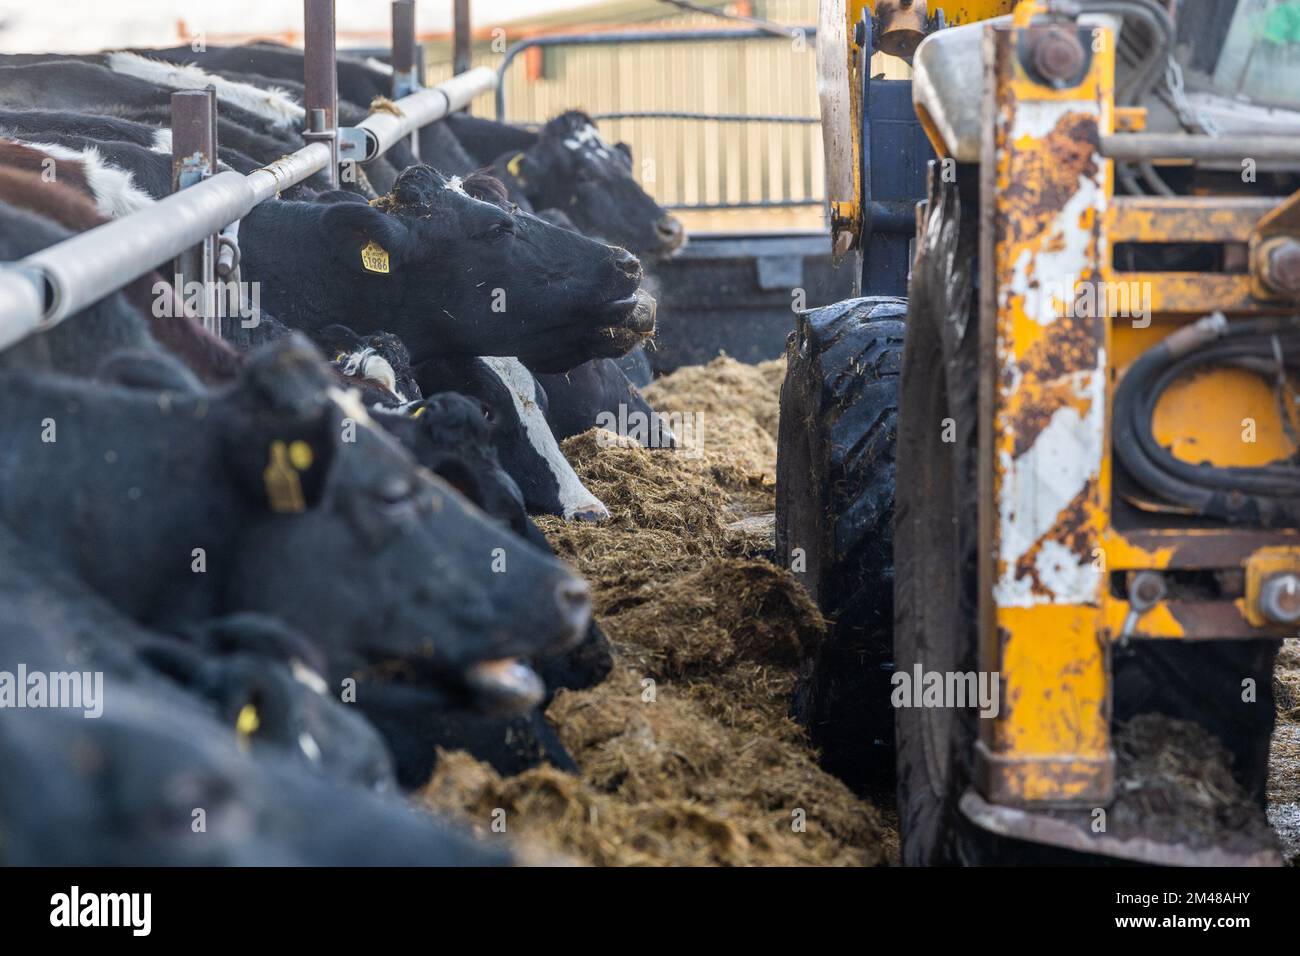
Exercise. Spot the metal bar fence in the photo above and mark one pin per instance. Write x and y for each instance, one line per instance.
(41, 290)
(798, 34)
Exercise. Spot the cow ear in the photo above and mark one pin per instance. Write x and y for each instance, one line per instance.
(519, 168)
(365, 239)
(287, 427)
(626, 150)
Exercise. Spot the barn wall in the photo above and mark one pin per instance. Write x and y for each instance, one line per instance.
(684, 161)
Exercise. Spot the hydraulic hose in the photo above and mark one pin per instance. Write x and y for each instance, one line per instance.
(1267, 495)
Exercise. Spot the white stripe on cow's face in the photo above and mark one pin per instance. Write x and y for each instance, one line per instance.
(519, 382)
(162, 142)
(370, 365)
(379, 66)
(116, 193)
(273, 105)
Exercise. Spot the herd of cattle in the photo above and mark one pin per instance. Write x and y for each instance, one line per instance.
(251, 584)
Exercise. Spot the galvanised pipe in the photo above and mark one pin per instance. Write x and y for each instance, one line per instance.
(385, 129)
(85, 268)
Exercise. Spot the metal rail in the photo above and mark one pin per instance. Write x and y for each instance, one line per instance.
(41, 290)
(383, 130)
(709, 117)
(81, 270)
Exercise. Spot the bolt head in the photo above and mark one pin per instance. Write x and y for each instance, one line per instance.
(1057, 55)
(1283, 267)
(1147, 589)
(1279, 598)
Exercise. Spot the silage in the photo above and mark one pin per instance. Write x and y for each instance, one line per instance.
(687, 753)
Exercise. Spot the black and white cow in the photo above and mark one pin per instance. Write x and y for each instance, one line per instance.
(60, 81)
(516, 409)
(358, 81)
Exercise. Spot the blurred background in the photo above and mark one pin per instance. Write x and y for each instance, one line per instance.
(700, 164)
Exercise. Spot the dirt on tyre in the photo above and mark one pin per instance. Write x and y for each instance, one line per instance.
(834, 517)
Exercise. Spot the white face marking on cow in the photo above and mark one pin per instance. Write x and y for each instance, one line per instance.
(379, 66)
(273, 105)
(115, 191)
(162, 142)
(372, 366)
(457, 185)
(349, 401)
(588, 140)
(519, 382)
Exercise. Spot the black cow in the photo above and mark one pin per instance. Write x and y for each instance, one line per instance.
(452, 435)
(155, 785)
(596, 393)
(119, 779)
(568, 166)
(279, 496)
(448, 273)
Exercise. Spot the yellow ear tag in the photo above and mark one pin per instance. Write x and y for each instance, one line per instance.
(418, 412)
(283, 489)
(516, 161)
(247, 723)
(374, 257)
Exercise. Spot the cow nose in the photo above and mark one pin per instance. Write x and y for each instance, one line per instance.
(573, 598)
(629, 264)
(669, 230)
(596, 512)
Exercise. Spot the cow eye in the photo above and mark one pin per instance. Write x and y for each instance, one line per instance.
(500, 230)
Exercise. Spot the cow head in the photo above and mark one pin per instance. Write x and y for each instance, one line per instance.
(454, 436)
(449, 272)
(392, 572)
(515, 405)
(571, 168)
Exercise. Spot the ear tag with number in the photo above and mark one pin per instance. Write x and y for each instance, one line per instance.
(374, 257)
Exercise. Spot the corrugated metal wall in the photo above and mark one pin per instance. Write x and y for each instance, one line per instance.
(689, 161)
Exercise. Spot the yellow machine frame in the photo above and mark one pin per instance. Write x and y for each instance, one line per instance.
(1051, 548)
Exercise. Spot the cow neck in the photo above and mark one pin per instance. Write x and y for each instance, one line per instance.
(300, 279)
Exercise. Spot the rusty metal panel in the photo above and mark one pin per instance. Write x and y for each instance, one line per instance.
(1045, 196)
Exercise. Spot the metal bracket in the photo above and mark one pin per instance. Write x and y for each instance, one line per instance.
(352, 144)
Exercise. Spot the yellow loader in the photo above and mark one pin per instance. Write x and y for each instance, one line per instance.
(1044, 475)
